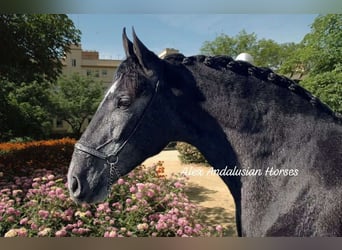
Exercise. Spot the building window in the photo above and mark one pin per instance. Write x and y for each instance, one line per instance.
(73, 62)
(97, 74)
(104, 72)
(89, 72)
(59, 123)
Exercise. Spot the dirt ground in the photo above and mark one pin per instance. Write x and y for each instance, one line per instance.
(207, 191)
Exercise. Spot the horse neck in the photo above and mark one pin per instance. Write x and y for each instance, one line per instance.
(257, 117)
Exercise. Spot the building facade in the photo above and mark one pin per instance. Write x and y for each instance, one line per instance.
(88, 63)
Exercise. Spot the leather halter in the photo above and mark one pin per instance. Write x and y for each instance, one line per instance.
(113, 158)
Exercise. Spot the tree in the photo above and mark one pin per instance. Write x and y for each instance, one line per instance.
(24, 110)
(271, 54)
(321, 50)
(232, 46)
(75, 98)
(323, 45)
(32, 46)
(319, 58)
(327, 86)
(266, 52)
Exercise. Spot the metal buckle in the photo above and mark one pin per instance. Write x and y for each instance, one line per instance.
(112, 159)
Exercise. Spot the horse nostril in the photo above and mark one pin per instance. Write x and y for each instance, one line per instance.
(75, 186)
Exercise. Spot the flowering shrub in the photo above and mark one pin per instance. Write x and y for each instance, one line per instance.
(144, 203)
(189, 154)
(20, 159)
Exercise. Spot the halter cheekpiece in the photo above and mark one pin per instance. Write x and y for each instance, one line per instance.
(113, 158)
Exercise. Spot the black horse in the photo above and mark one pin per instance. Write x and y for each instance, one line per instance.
(240, 117)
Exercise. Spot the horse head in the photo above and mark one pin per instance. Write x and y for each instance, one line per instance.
(135, 120)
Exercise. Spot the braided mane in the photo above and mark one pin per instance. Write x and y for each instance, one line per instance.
(223, 63)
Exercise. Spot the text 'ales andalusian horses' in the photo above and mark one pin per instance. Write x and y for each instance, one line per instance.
(240, 117)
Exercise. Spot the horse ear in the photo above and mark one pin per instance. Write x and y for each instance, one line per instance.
(127, 44)
(146, 58)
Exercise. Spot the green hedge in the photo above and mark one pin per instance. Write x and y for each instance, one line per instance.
(189, 154)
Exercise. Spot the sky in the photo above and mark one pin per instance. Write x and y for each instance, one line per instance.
(185, 32)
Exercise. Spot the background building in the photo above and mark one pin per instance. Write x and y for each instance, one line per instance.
(88, 63)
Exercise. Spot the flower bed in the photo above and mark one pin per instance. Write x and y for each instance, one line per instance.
(20, 159)
(144, 203)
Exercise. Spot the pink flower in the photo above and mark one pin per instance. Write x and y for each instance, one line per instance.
(50, 177)
(83, 230)
(10, 211)
(69, 227)
(180, 232)
(103, 207)
(175, 210)
(161, 225)
(43, 213)
(59, 191)
(132, 189)
(50, 184)
(61, 233)
(38, 179)
(140, 186)
(178, 184)
(23, 221)
(188, 230)
(150, 193)
(139, 195)
(79, 223)
(69, 212)
(121, 181)
(35, 185)
(34, 226)
(219, 228)
(62, 197)
(128, 201)
(134, 208)
(22, 232)
(52, 194)
(182, 222)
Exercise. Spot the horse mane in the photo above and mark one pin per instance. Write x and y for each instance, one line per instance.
(223, 63)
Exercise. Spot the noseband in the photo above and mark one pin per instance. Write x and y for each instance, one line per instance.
(113, 158)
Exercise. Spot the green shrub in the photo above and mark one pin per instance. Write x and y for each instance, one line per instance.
(189, 154)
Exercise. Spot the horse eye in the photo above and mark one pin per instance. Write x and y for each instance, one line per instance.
(124, 102)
